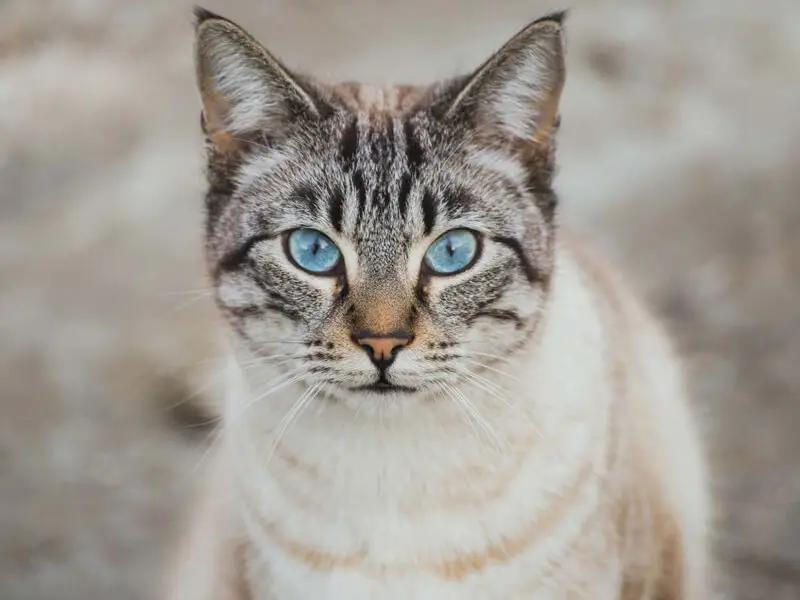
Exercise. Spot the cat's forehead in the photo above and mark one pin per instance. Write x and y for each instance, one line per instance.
(377, 175)
(380, 101)
(384, 163)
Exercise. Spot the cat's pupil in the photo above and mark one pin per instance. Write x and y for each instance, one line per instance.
(450, 248)
(315, 247)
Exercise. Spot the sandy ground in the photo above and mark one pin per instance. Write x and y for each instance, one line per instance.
(679, 156)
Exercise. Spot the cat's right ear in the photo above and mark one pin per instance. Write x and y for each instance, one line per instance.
(247, 94)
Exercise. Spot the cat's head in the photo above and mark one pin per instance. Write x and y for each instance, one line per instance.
(380, 241)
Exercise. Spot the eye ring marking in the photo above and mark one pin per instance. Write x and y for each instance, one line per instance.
(313, 252)
(453, 252)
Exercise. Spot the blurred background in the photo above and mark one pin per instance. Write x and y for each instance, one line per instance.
(680, 157)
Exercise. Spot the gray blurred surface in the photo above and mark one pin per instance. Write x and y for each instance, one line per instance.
(680, 156)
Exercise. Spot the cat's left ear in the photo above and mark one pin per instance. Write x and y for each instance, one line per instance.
(247, 93)
(516, 93)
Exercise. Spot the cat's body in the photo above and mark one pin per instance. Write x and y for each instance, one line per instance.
(528, 434)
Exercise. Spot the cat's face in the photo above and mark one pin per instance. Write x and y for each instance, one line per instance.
(386, 245)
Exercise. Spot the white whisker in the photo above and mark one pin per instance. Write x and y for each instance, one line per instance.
(446, 388)
(498, 371)
(469, 353)
(290, 417)
(190, 301)
(289, 378)
(480, 420)
(214, 437)
(244, 366)
(204, 290)
(498, 393)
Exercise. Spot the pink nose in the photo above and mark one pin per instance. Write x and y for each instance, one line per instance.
(382, 349)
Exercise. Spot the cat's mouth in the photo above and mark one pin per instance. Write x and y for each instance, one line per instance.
(384, 387)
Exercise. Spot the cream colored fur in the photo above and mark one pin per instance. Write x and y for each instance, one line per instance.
(591, 486)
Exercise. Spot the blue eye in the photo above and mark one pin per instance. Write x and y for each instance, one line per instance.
(313, 251)
(452, 252)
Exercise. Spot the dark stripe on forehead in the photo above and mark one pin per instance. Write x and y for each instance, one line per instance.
(404, 189)
(381, 145)
(348, 146)
(531, 273)
(428, 212)
(415, 155)
(349, 150)
(304, 197)
(336, 210)
(383, 152)
(456, 200)
(361, 190)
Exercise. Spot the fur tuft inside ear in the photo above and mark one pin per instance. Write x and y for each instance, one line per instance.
(515, 94)
(245, 91)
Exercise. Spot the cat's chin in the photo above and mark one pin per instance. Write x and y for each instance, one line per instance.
(383, 400)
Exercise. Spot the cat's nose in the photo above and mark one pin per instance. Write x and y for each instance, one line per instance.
(382, 348)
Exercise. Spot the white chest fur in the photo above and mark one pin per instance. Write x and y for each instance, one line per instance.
(426, 504)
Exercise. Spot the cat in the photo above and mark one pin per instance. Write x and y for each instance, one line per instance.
(434, 391)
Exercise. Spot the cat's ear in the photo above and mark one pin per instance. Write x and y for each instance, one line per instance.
(515, 94)
(246, 92)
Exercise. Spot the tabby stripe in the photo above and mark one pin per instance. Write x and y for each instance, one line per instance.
(303, 195)
(500, 314)
(256, 310)
(533, 275)
(382, 147)
(402, 194)
(273, 295)
(348, 146)
(336, 210)
(455, 201)
(544, 197)
(547, 203)
(453, 568)
(287, 311)
(241, 312)
(381, 196)
(234, 259)
(428, 212)
(442, 357)
(358, 183)
(494, 292)
(415, 155)
(382, 150)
